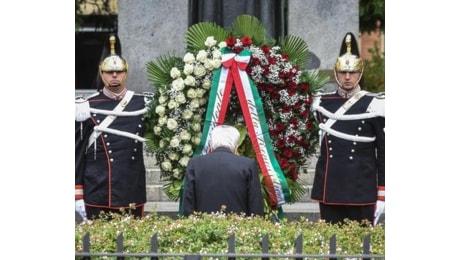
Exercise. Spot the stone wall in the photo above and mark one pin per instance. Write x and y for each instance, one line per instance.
(151, 28)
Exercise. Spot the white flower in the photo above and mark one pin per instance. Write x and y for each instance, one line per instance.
(171, 124)
(172, 104)
(208, 64)
(160, 110)
(195, 103)
(178, 84)
(175, 141)
(187, 149)
(173, 156)
(196, 127)
(162, 99)
(162, 143)
(185, 135)
(216, 63)
(217, 54)
(189, 57)
(176, 173)
(184, 161)
(180, 98)
(201, 56)
(166, 165)
(222, 45)
(187, 114)
(203, 101)
(199, 71)
(157, 130)
(188, 69)
(210, 41)
(191, 93)
(200, 92)
(174, 73)
(196, 140)
(206, 84)
(189, 81)
(162, 120)
(197, 118)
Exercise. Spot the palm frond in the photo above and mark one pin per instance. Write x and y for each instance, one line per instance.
(197, 34)
(158, 70)
(246, 25)
(297, 190)
(296, 48)
(315, 78)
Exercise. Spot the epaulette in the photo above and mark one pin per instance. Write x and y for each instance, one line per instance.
(82, 107)
(146, 94)
(377, 105)
(380, 95)
(320, 93)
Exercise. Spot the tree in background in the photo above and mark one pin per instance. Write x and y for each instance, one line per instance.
(372, 19)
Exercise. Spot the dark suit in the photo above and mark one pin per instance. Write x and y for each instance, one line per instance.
(222, 178)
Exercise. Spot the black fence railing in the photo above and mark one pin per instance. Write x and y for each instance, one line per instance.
(231, 255)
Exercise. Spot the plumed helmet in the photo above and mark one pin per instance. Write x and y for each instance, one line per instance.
(349, 60)
(111, 56)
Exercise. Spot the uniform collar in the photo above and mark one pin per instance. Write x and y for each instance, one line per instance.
(112, 95)
(347, 94)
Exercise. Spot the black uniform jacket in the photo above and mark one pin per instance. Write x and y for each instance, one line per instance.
(222, 178)
(112, 170)
(349, 172)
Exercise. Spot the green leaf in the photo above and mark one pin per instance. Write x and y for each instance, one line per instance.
(196, 35)
(296, 48)
(297, 190)
(158, 70)
(246, 25)
(315, 78)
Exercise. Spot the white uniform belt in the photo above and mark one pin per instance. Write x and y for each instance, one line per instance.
(119, 113)
(342, 109)
(346, 136)
(118, 132)
(346, 117)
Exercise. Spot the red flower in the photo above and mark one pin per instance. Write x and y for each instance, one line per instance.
(285, 57)
(266, 49)
(287, 153)
(272, 61)
(230, 42)
(246, 41)
(280, 143)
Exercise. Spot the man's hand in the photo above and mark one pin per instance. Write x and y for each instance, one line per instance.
(379, 207)
(80, 208)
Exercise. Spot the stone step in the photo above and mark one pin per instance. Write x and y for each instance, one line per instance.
(308, 210)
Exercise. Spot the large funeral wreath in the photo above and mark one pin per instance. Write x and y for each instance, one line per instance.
(183, 88)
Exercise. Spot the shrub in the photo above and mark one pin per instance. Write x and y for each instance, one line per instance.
(209, 233)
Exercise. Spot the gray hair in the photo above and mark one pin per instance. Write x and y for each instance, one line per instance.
(226, 136)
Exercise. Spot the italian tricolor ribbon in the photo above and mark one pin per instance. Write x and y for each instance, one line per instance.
(232, 72)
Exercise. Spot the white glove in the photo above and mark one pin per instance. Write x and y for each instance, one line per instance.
(80, 208)
(379, 208)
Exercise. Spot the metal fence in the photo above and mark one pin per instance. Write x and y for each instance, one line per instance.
(231, 255)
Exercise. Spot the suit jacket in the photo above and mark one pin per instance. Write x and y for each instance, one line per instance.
(349, 172)
(222, 178)
(111, 172)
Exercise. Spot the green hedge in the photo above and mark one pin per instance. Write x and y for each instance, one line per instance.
(209, 233)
